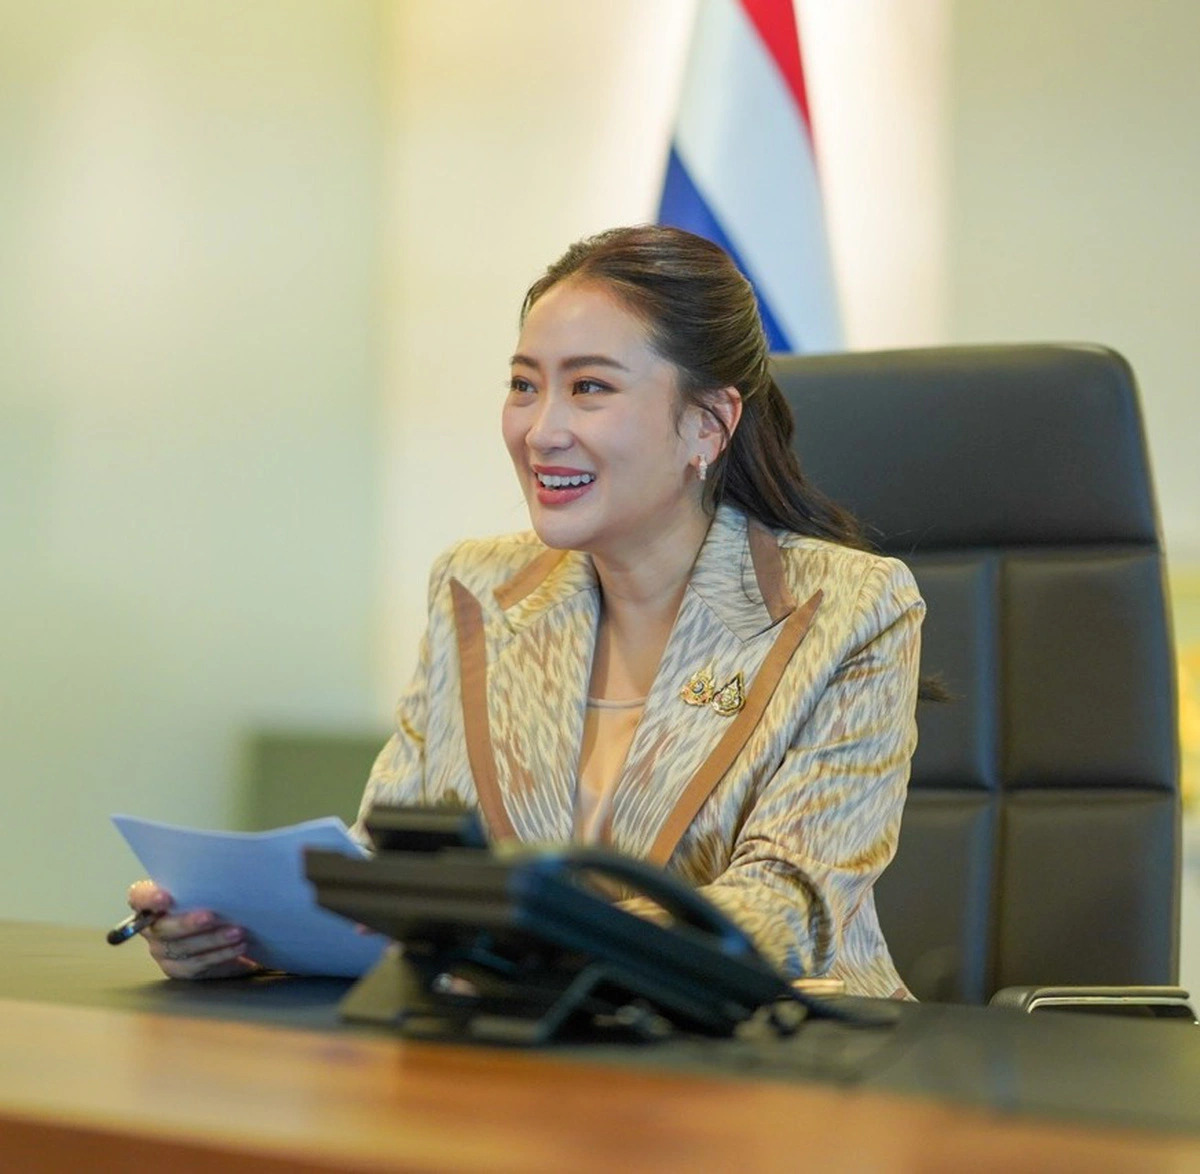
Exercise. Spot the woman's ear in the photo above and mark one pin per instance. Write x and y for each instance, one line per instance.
(723, 407)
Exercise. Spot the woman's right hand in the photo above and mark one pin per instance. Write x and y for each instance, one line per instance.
(193, 944)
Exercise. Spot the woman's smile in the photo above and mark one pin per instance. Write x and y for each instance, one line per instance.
(558, 485)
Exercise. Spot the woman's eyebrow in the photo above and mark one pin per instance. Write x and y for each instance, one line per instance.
(571, 364)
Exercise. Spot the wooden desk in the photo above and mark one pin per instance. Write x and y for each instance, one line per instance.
(88, 1089)
(111, 1087)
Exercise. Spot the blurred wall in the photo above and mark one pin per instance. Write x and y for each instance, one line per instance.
(1073, 200)
(189, 249)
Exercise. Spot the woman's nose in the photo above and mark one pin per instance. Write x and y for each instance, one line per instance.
(550, 429)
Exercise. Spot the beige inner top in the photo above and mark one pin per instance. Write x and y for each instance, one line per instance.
(608, 729)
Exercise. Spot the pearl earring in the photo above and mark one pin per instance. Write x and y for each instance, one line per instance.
(701, 467)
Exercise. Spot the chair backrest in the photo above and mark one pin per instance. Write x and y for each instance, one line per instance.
(1040, 843)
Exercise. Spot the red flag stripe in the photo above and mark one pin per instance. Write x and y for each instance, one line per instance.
(775, 21)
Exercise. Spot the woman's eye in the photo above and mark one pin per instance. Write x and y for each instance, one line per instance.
(520, 386)
(589, 386)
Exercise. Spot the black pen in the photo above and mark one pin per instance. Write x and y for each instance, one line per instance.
(131, 926)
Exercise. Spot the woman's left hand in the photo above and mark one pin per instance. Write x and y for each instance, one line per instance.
(195, 944)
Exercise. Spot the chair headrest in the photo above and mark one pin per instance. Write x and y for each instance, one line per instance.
(976, 446)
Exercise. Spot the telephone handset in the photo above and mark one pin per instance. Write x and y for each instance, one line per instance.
(668, 892)
(522, 946)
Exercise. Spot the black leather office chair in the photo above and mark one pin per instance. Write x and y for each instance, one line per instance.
(1040, 844)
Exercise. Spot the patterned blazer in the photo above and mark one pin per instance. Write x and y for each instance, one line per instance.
(783, 813)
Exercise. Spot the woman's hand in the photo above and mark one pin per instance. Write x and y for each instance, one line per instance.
(195, 944)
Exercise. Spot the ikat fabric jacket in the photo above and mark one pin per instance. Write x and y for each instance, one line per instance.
(783, 811)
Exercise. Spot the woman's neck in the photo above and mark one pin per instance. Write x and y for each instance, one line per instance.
(641, 597)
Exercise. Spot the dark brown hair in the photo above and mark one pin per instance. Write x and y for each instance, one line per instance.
(702, 316)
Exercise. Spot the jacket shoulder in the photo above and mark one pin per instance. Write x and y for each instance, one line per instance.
(482, 564)
(869, 587)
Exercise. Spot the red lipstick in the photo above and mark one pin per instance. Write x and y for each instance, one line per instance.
(562, 494)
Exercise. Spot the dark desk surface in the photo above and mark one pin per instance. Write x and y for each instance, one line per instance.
(1052, 1072)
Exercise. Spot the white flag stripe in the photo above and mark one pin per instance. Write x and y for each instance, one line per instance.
(747, 149)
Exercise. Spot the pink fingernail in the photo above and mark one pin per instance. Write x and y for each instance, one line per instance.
(232, 934)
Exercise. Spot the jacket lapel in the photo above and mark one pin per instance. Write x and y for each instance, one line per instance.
(524, 705)
(737, 617)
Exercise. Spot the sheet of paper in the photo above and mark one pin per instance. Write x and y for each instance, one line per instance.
(256, 880)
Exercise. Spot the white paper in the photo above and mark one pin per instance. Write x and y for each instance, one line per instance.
(256, 880)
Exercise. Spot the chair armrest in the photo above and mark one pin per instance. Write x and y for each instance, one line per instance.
(1146, 1002)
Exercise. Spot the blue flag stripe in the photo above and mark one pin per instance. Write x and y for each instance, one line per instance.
(683, 206)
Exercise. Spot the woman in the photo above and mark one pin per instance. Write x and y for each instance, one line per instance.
(690, 658)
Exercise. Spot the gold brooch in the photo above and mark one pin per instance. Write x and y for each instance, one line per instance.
(730, 697)
(701, 689)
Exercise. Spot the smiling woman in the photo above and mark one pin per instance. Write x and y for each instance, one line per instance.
(690, 658)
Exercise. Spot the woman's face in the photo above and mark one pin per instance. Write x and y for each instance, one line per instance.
(590, 424)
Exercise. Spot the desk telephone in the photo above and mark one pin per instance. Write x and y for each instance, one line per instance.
(524, 945)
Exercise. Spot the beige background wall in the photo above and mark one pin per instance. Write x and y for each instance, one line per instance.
(189, 255)
(1074, 190)
(260, 262)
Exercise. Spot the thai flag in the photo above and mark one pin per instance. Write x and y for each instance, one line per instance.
(741, 171)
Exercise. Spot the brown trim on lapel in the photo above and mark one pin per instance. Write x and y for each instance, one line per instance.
(768, 570)
(472, 663)
(713, 768)
(527, 578)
